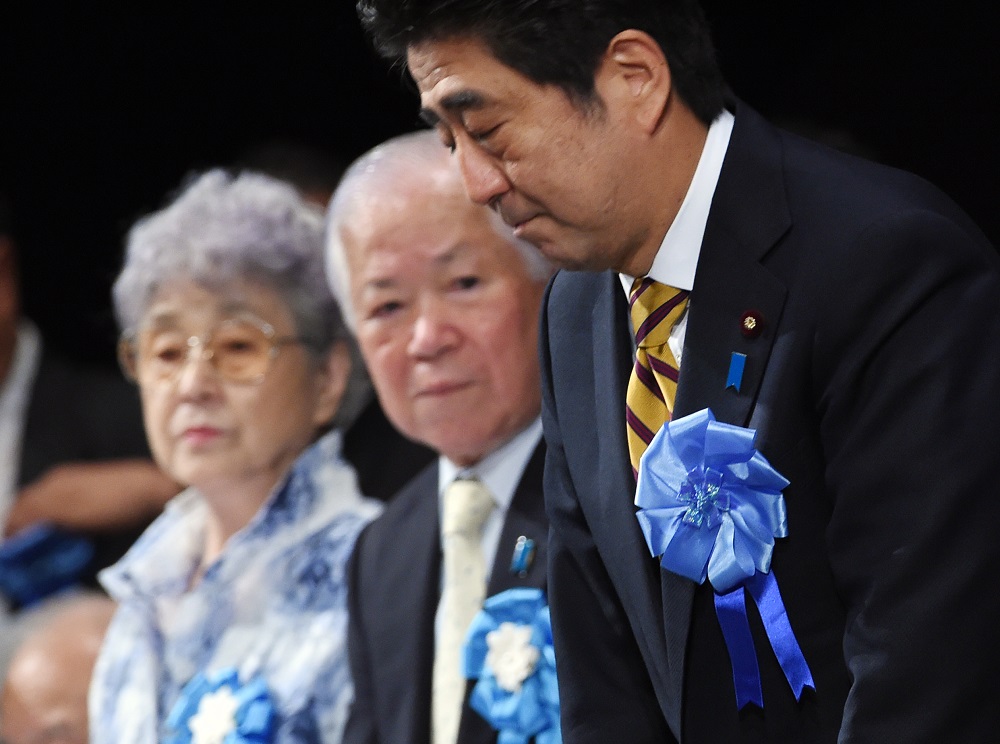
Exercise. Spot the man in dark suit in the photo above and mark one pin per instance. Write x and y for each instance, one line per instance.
(848, 313)
(73, 450)
(72, 454)
(444, 303)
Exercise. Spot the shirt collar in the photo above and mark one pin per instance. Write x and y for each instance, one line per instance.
(15, 389)
(677, 257)
(15, 397)
(500, 471)
(319, 487)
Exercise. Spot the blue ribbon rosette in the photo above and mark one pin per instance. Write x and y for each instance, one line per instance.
(217, 709)
(710, 507)
(509, 651)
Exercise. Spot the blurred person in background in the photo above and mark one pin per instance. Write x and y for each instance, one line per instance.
(75, 471)
(232, 605)
(383, 458)
(44, 697)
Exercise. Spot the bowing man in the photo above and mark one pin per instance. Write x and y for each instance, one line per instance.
(444, 303)
(846, 312)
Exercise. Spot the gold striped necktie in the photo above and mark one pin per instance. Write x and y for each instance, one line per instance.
(652, 388)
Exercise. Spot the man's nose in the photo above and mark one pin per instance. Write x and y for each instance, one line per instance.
(434, 331)
(483, 175)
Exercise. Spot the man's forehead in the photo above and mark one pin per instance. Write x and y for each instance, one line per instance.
(449, 64)
(388, 266)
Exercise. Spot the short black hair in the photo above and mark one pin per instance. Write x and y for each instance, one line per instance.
(559, 42)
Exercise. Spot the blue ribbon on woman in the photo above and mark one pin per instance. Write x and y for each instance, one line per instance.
(217, 709)
(509, 650)
(710, 506)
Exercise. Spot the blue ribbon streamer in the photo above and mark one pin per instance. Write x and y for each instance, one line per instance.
(732, 613)
(764, 590)
(731, 610)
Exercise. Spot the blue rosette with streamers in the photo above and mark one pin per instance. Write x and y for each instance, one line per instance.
(710, 508)
(217, 709)
(509, 651)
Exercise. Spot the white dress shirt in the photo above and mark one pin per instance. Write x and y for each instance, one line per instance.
(15, 393)
(500, 471)
(676, 259)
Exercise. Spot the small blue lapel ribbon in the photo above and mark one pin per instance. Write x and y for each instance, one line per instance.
(737, 363)
(710, 507)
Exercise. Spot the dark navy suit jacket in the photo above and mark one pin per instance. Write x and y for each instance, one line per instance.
(78, 414)
(394, 588)
(873, 389)
(81, 414)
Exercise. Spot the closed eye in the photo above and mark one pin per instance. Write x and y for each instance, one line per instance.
(483, 135)
(447, 139)
(467, 282)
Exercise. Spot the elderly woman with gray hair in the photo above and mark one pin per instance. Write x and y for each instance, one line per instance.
(232, 611)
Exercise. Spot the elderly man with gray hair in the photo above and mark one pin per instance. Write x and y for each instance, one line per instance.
(444, 302)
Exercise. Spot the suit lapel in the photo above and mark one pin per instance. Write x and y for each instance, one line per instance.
(525, 518)
(749, 215)
(623, 544)
(412, 582)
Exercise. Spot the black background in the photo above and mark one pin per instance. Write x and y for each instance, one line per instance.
(103, 110)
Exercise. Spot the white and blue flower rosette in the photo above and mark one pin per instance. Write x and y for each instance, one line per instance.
(509, 651)
(217, 709)
(710, 507)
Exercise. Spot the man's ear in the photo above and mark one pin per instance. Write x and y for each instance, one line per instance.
(634, 78)
(332, 381)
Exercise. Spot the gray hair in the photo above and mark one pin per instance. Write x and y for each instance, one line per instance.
(221, 229)
(409, 163)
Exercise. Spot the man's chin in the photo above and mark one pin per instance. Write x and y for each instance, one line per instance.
(565, 258)
(561, 251)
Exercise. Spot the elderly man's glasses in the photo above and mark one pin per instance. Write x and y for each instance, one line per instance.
(239, 349)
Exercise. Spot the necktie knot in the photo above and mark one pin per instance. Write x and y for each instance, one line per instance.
(652, 388)
(655, 308)
(467, 504)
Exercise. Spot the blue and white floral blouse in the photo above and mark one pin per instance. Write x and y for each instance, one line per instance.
(273, 605)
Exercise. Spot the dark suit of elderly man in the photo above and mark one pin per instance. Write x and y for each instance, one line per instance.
(848, 313)
(444, 303)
